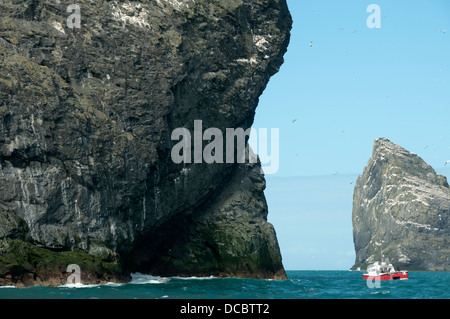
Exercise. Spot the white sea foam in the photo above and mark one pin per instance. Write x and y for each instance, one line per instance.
(195, 278)
(114, 284)
(384, 292)
(142, 279)
(78, 285)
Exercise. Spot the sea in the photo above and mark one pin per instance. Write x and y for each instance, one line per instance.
(304, 284)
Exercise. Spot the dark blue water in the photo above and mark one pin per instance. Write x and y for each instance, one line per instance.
(300, 285)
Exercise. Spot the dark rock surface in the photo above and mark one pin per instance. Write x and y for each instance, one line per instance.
(86, 117)
(401, 211)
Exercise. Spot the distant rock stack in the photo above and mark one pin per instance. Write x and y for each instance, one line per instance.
(401, 211)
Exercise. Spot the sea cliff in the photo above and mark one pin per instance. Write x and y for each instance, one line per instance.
(89, 96)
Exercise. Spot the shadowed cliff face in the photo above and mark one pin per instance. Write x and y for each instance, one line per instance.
(86, 117)
(401, 211)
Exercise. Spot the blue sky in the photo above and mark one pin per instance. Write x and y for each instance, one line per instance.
(353, 85)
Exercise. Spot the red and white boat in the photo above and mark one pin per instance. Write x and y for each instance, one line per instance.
(384, 271)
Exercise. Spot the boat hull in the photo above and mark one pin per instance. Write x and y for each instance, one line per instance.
(398, 275)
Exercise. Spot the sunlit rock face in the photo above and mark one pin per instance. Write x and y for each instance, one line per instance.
(86, 116)
(401, 210)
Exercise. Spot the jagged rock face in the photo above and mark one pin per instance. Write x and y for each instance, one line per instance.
(401, 210)
(86, 117)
